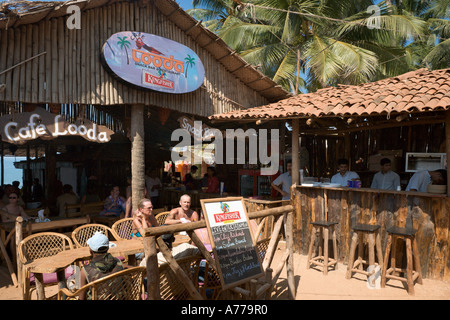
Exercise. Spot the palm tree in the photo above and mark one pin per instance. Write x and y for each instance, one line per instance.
(189, 63)
(213, 13)
(137, 154)
(123, 43)
(329, 40)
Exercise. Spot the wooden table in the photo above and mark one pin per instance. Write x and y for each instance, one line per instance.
(30, 226)
(58, 263)
(106, 220)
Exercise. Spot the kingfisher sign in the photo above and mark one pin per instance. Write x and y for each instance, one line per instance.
(153, 62)
(43, 124)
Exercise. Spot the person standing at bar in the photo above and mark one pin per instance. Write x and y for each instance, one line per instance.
(344, 175)
(283, 182)
(421, 179)
(385, 178)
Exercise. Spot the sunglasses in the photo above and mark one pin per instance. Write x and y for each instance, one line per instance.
(13, 198)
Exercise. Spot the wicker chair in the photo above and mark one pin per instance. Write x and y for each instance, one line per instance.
(81, 234)
(122, 228)
(161, 217)
(127, 284)
(41, 245)
(171, 288)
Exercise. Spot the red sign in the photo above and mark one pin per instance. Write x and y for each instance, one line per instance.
(227, 217)
(155, 81)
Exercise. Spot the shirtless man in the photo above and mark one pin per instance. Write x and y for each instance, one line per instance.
(182, 214)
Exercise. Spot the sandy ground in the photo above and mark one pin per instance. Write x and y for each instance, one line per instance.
(311, 284)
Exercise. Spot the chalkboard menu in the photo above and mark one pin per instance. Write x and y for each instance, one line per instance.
(232, 241)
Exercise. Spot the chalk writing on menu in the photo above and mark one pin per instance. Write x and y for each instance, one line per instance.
(233, 243)
(237, 256)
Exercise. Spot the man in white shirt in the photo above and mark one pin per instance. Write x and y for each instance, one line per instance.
(344, 175)
(385, 178)
(153, 184)
(421, 179)
(283, 182)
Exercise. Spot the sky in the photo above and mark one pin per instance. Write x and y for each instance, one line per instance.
(185, 4)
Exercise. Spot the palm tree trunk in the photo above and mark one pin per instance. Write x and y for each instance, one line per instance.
(137, 154)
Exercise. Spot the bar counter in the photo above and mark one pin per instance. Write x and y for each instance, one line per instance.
(428, 213)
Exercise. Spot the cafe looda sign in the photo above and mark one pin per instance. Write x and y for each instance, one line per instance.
(22, 127)
(153, 62)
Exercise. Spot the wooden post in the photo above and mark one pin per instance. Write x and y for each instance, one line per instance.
(290, 262)
(19, 237)
(447, 146)
(137, 154)
(152, 268)
(295, 155)
(2, 166)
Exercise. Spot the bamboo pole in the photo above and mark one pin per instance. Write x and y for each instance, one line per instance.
(447, 147)
(295, 150)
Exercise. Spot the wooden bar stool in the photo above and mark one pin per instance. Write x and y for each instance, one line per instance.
(358, 241)
(319, 228)
(411, 275)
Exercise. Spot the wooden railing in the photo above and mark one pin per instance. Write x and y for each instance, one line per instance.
(152, 241)
(428, 213)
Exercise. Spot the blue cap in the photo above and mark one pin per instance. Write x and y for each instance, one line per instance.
(98, 241)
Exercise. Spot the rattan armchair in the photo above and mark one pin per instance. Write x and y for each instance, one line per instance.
(123, 228)
(36, 246)
(81, 234)
(126, 284)
(161, 217)
(171, 288)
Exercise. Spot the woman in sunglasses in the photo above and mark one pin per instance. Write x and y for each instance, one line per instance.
(12, 210)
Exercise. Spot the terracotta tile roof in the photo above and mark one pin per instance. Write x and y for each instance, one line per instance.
(416, 91)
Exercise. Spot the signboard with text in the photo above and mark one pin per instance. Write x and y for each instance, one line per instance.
(153, 62)
(232, 240)
(19, 128)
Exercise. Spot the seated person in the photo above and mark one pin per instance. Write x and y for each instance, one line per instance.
(68, 197)
(91, 194)
(385, 178)
(213, 181)
(344, 175)
(102, 264)
(190, 182)
(421, 179)
(114, 204)
(182, 214)
(8, 189)
(12, 210)
(143, 217)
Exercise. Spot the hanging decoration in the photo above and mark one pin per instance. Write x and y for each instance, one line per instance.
(163, 115)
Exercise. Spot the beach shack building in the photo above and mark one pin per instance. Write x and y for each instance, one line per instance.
(127, 70)
(405, 118)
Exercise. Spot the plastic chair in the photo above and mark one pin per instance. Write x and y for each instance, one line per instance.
(126, 284)
(123, 228)
(41, 245)
(81, 234)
